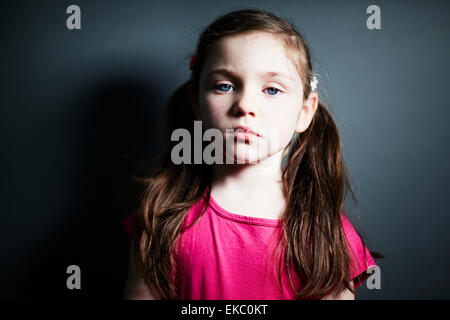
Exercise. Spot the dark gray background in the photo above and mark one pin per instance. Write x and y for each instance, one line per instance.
(80, 108)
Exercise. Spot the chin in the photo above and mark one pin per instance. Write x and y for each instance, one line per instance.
(245, 155)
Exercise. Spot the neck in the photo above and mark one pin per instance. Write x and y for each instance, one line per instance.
(254, 181)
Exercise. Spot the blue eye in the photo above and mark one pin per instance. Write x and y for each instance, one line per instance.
(275, 91)
(222, 85)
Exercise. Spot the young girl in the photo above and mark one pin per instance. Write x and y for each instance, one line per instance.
(235, 231)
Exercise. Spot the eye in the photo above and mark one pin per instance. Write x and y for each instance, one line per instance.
(273, 91)
(224, 86)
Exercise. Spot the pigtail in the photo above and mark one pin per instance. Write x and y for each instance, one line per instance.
(168, 192)
(315, 184)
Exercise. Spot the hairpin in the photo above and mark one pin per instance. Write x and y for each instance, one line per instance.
(314, 83)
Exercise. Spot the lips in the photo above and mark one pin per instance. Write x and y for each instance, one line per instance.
(246, 130)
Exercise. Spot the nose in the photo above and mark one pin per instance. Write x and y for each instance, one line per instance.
(245, 103)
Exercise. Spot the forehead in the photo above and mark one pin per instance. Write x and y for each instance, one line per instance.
(254, 52)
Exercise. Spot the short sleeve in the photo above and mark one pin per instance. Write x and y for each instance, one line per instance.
(128, 223)
(360, 255)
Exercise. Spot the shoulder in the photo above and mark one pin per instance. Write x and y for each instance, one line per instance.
(350, 233)
(129, 222)
(360, 255)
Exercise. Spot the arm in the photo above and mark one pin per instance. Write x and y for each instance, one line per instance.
(135, 287)
(344, 295)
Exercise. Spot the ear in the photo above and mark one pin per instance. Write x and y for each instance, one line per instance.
(307, 112)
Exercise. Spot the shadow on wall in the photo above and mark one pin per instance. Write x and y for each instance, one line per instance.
(118, 128)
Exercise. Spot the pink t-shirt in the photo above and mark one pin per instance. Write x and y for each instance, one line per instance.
(226, 256)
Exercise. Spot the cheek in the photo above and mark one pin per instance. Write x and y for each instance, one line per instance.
(213, 109)
(284, 120)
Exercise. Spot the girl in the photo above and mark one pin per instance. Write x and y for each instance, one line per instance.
(235, 231)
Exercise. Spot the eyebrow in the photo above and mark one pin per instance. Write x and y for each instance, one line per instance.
(231, 74)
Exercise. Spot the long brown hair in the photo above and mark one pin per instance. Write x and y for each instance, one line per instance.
(315, 181)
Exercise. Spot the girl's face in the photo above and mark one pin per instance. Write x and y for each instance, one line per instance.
(248, 80)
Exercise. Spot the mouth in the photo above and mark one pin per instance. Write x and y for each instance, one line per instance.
(245, 130)
(245, 133)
